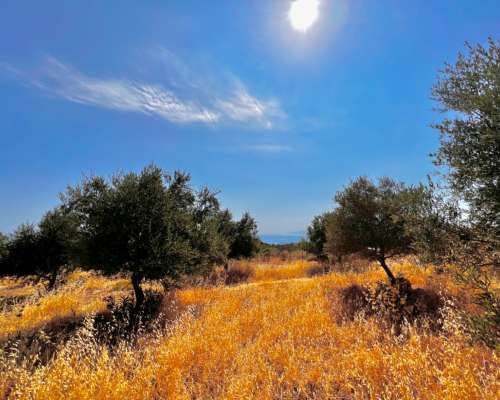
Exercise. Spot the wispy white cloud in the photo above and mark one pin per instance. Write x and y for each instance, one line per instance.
(243, 107)
(268, 148)
(62, 81)
(185, 98)
(223, 90)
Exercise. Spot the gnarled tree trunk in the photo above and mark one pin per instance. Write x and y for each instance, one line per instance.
(137, 278)
(52, 278)
(392, 278)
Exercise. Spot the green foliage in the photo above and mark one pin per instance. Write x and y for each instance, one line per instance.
(430, 223)
(22, 252)
(283, 251)
(151, 224)
(4, 240)
(469, 91)
(372, 220)
(207, 237)
(58, 241)
(43, 249)
(446, 234)
(316, 235)
(244, 243)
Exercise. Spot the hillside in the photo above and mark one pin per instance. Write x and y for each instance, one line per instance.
(281, 335)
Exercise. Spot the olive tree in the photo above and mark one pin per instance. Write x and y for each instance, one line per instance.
(21, 254)
(150, 224)
(244, 242)
(41, 250)
(316, 235)
(468, 93)
(4, 240)
(372, 219)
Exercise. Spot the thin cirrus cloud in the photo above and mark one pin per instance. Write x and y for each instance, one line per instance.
(222, 90)
(243, 107)
(268, 148)
(180, 105)
(62, 81)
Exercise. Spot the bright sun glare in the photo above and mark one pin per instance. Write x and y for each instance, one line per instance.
(303, 14)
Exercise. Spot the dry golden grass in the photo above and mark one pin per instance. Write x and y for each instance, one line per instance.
(270, 339)
(272, 271)
(83, 294)
(10, 287)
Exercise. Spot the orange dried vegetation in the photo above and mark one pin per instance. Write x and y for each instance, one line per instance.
(83, 294)
(279, 271)
(270, 339)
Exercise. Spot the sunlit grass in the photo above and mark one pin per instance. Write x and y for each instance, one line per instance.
(272, 271)
(83, 294)
(10, 287)
(277, 337)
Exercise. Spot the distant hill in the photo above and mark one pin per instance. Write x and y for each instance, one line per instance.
(282, 239)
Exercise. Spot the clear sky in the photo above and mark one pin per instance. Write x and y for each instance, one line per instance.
(275, 117)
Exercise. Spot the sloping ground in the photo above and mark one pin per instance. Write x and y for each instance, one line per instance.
(282, 339)
(81, 295)
(26, 307)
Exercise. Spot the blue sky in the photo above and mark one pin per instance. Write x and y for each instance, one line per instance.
(275, 119)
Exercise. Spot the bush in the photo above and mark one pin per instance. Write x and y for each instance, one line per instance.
(122, 320)
(318, 269)
(394, 304)
(216, 277)
(485, 327)
(354, 300)
(238, 273)
(399, 303)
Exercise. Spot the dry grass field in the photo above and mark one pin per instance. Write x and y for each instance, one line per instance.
(281, 335)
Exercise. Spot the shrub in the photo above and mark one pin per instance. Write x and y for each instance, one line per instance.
(354, 300)
(318, 269)
(394, 304)
(399, 303)
(122, 320)
(238, 273)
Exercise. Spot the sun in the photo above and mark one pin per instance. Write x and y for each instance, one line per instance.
(303, 14)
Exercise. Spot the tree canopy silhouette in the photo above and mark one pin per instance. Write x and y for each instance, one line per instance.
(151, 224)
(43, 249)
(372, 219)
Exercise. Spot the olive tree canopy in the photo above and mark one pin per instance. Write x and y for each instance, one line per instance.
(372, 219)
